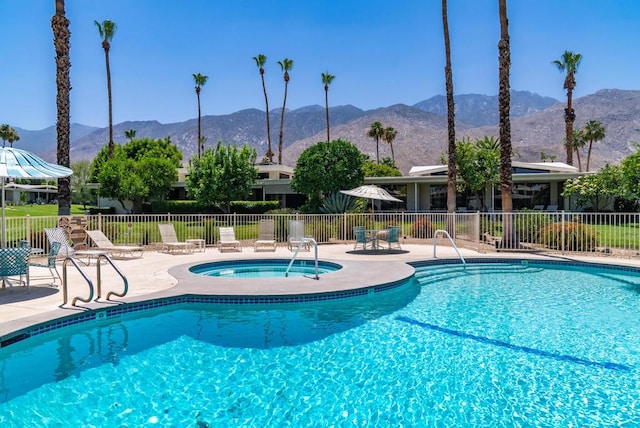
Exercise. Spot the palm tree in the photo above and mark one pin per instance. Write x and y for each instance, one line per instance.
(8, 135)
(593, 131)
(130, 134)
(376, 132)
(286, 65)
(200, 81)
(569, 63)
(260, 62)
(61, 37)
(578, 142)
(107, 30)
(389, 135)
(451, 129)
(326, 81)
(504, 101)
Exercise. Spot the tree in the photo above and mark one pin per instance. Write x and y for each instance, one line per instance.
(504, 101)
(596, 191)
(477, 164)
(389, 135)
(286, 65)
(372, 169)
(451, 129)
(326, 81)
(569, 63)
(61, 43)
(592, 131)
(222, 175)
(8, 135)
(578, 142)
(130, 134)
(631, 175)
(107, 30)
(140, 171)
(260, 61)
(200, 81)
(325, 168)
(81, 194)
(376, 132)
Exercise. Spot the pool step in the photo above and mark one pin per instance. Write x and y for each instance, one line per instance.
(444, 272)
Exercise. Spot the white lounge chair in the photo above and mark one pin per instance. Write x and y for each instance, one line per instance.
(266, 239)
(296, 235)
(57, 234)
(170, 241)
(103, 243)
(228, 239)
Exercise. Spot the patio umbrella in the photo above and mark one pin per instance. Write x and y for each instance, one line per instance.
(16, 163)
(371, 191)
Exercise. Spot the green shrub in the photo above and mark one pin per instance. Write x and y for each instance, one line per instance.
(253, 207)
(577, 236)
(422, 228)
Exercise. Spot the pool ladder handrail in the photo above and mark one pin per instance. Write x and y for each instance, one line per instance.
(446, 234)
(302, 242)
(118, 271)
(64, 282)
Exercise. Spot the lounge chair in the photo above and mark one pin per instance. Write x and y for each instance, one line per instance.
(362, 239)
(103, 243)
(14, 262)
(266, 239)
(57, 234)
(391, 237)
(47, 261)
(228, 239)
(170, 241)
(296, 235)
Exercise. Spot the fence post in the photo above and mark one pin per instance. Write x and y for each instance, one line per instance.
(562, 231)
(28, 229)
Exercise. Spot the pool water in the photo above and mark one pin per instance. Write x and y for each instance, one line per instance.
(270, 268)
(490, 345)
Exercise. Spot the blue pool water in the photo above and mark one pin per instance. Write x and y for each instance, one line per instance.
(490, 345)
(268, 268)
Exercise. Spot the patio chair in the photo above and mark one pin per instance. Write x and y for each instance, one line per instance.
(362, 239)
(57, 234)
(170, 241)
(391, 237)
(266, 233)
(228, 240)
(296, 235)
(47, 261)
(103, 243)
(14, 262)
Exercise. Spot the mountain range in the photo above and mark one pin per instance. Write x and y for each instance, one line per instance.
(537, 125)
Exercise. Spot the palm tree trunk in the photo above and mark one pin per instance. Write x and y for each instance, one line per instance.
(393, 156)
(451, 130)
(588, 155)
(266, 103)
(199, 143)
(377, 150)
(284, 103)
(326, 103)
(569, 117)
(111, 144)
(579, 163)
(61, 37)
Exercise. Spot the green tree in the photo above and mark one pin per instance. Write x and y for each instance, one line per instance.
(477, 164)
(631, 175)
(80, 192)
(260, 62)
(130, 134)
(200, 81)
(376, 132)
(596, 191)
(222, 175)
(139, 171)
(372, 169)
(325, 168)
(107, 30)
(286, 65)
(61, 43)
(389, 135)
(592, 131)
(8, 135)
(569, 63)
(326, 81)
(451, 129)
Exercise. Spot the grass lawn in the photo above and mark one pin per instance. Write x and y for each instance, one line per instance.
(34, 210)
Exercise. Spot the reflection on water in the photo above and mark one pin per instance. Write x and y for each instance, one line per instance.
(66, 352)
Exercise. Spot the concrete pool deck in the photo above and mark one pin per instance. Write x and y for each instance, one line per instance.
(160, 275)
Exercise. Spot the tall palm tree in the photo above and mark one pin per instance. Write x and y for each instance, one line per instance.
(61, 37)
(107, 30)
(569, 63)
(593, 131)
(200, 81)
(451, 129)
(376, 132)
(504, 103)
(389, 135)
(8, 135)
(260, 62)
(130, 134)
(578, 142)
(286, 65)
(326, 81)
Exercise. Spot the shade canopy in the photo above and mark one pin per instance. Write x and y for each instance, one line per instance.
(16, 163)
(371, 191)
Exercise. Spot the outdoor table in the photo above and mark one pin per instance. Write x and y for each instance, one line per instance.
(374, 235)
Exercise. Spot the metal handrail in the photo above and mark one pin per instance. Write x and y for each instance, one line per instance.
(98, 273)
(64, 282)
(300, 244)
(446, 234)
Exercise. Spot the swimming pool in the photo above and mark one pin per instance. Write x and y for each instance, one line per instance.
(263, 268)
(492, 344)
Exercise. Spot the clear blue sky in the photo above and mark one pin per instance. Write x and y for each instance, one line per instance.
(382, 52)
